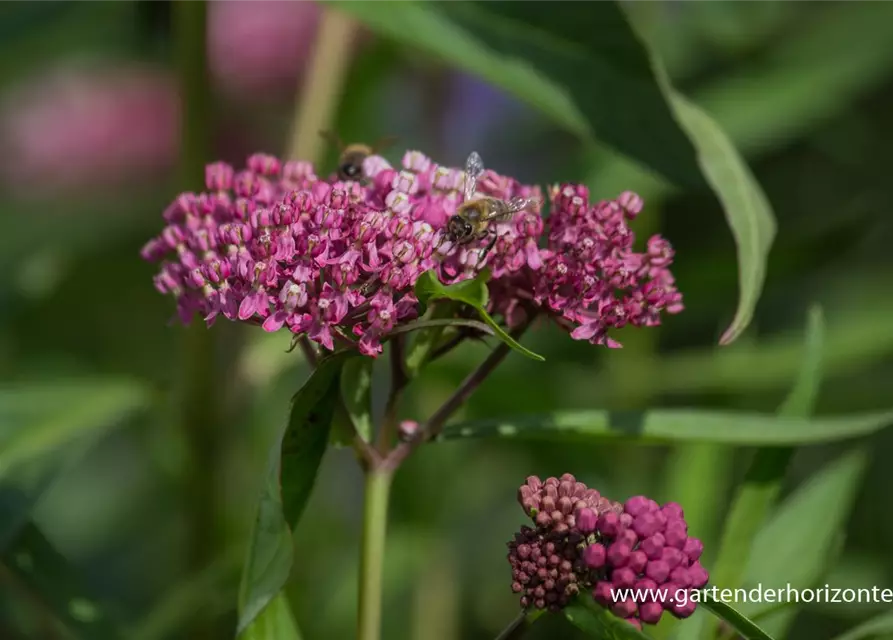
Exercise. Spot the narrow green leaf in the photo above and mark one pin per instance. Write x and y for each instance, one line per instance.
(37, 419)
(657, 426)
(803, 80)
(746, 207)
(597, 622)
(796, 545)
(293, 464)
(44, 430)
(762, 482)
(41, 568)
(800, 402)
(356, 389)
(444, 323)
(593, 87)
(276, 622)
(474, 294)
(877, 627)
(747, 629)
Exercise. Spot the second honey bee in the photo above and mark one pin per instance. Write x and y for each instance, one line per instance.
(475, 217)
(352, 156)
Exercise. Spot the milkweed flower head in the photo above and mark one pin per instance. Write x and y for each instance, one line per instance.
(635, 558)
(276, 245)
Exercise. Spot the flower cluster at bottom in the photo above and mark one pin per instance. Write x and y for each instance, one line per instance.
(633, 557)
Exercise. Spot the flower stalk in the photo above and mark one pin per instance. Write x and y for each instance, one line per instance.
(375, 522)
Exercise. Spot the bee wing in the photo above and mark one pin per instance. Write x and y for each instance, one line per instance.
(383, 143)
(520, 204)
(474, 167)
(333, 138)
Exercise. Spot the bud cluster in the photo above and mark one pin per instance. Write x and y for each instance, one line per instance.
(583, 541)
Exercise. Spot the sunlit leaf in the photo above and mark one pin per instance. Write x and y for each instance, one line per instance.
(747, 210)
(473, 293)
(276, 622)
(763, 479)
(674, 425)
(293, 464)
(796, 545)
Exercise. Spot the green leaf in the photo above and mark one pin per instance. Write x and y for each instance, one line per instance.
(356, 389)
(796, 546)
(600, 87)
(40, 568)
(293, 464)
(746, 207)
(658, 426)
(47, 428)
(762, 482)
(747, 629)
(598, 622)
(276, 622)
(877, 627)
(46, 417)
(473, 293)
(803, 80)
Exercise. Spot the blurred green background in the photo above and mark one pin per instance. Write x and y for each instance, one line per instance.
(148, 521)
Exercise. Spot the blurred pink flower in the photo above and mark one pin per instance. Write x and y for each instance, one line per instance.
(260, 45)
(81, 127)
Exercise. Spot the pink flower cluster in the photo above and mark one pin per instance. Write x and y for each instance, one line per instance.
(277, 246)
(636, 558)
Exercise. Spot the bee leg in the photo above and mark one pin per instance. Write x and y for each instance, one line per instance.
(490, 246)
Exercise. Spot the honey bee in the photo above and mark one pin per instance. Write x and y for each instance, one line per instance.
(350, 160)
(474, 217)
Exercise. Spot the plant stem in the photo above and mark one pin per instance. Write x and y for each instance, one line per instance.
(200, 410)
(515, 628)
(388, 430)
(437, 421)
(322, 88)
(375, 522)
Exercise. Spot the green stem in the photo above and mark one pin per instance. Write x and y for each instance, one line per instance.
(199, 410)
(375, 523)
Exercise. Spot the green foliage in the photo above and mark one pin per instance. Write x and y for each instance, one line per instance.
(598, 622)
(291, 472)
(660, 426)
(747, 629)
(878, 627)
(747, 209)
(473, 293)
(762, 483)
(276, 622)
(356, 389)
(39, 567)
(797, 545)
